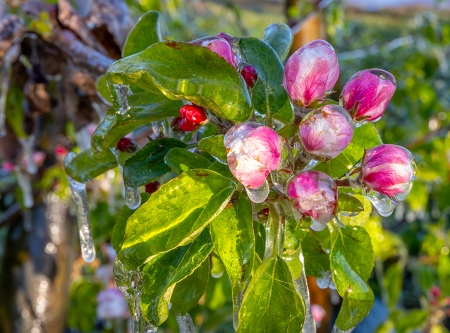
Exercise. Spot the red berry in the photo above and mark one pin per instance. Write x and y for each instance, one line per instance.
(151, 187)
(127, 145)
(250, 75)
(194, 114)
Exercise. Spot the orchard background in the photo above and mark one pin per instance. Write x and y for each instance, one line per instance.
(52, 96)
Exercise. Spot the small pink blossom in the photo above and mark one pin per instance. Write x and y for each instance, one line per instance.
(368, 92)
(314, 194)
(318, 312)
(253, 151)
(111, 304)
(310, 72)
(326, 132)
(7, 166)
(388, 169)
(218, 45)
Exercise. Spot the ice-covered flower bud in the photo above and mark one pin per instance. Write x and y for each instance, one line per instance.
(314, 194)
(325, 132)
(194, 114)
(388, 169)
(250, 75)
(151, 187)
(367, 94)
(310, 72)
(253, 151)
(127, 145)
(218, 45)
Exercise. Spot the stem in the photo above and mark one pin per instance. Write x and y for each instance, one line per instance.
(274, 231)
(342, 182)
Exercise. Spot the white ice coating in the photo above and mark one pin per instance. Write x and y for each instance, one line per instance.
(132, 194)
(237, 307)
(185, 323)
(258, 195)
(301, 285)
(25, 186)
(28, 150)
(122, 92)
(382, 203)
(82, 211)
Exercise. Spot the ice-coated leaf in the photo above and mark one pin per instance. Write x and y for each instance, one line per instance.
(362, 217)
(85, 166)
(144, 108)
(187, 292)
(268, 95)
(317, 261)
(348, 203)
(221, 169)
(145, 32)
(351, 261)
(148, 163)
(102, 90)
(364, 137)
(214, 146)
(234, 240)
(164, 270)
(271, 303)
(174, 215)
(279, 36)
(180, 160)
(186, 71)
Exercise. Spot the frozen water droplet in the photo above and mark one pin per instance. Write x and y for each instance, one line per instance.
(237, 307)
(217, 275)
(317, 226)
(348, 213)
(325, 280)
(132, 197)
(402, 196)
(362, 122)
(25, 186)
(382, 203)
(122, 92)
(337, 330)
(258, 195)
(185, 324)
(28, 150)
(311, 164)
(82, 211)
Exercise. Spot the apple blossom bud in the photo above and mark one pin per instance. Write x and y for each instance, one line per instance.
(127, 145)
(325, 132)
(310, 72)
(250, 75)
(388, 169)
(367, 94)
(253, 151)
(218, 45)
(182, 125)
(314, 194)
(229, 38)
(151, 187)
(194, 114)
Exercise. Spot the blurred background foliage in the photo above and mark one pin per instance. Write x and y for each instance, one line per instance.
(412, 247)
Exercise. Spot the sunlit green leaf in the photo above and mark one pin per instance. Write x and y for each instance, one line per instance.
(180, 160)
(85, 167)
(279, 36)
(214, 146)
(146, 32)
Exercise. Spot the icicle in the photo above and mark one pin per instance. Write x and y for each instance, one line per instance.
(317, 226)
(237, 307)
(82, 211)
(185, 324)
(260, 194)
(275, 230)
(325, 280)
(25, 186)
(382, 203)
(132, 194)
(28, 149)
(301, 285)
(337, 330)
(122, 92)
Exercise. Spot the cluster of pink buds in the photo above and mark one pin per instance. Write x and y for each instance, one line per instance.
(191, 118)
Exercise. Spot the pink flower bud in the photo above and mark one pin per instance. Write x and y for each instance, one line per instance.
(318, 312)
(111, 304)
(218, 45)
(325, 132)
(250, 75)
(151, 187)
(388, 169)
(194, 114)
(314, 194)
(367, 94)
(310, 72)
(127, 145)
(253, 151)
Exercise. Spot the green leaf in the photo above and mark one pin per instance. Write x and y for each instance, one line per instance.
(14, 110)
(102, 90)
(393, 282)
(268, 95)
(351, 261)
(234, 241)
(221, 169)
(288, 131)
(186, 71)
(164, 270)
(148, 163)
(118, 232)
(144, 109)
(180, 160)
(364, 137)
(348, 203)
(271, 303)
(317, 261)
(214, 146)
(279, 36)
(85, 166)
(174, 215)
(145, 32)
(362, 217)
(188, 292)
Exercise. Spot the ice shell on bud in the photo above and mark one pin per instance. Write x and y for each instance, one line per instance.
(218, 45)
(369, 93)
(388, 169)
(253, 151)
(326, 132)
(310, 72)
(314, 194)
(194, 114)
